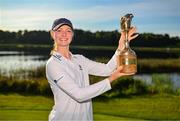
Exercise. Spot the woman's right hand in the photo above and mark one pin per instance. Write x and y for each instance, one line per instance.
(117, 74)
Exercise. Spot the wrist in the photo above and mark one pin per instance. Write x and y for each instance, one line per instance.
(110, 79)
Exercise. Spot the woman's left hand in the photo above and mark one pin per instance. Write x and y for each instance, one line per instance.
(132, 34)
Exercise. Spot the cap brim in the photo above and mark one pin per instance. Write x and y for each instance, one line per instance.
(59, 25)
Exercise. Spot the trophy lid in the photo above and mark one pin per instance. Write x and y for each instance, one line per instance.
(126, 22)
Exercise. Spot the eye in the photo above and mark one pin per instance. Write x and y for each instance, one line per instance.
(69, 30)
(59, 30)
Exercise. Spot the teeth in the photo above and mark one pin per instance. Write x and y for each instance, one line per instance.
(63, 39)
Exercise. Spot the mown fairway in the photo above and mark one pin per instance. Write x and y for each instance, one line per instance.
(17, 107)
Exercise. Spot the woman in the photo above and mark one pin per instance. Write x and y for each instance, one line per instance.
(68, 75)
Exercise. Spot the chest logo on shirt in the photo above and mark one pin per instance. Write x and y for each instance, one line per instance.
(80, 67)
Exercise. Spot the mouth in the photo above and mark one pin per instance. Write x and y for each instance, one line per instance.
(64, 39)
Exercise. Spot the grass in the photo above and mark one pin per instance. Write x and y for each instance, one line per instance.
(18, 107)
(158, 65)
(148, 108)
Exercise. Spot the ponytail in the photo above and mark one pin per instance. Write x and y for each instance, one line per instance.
(54, 48)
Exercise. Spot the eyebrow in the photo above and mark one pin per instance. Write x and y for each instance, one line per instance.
(69, 28)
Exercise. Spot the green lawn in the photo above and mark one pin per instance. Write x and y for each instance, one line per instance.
(148, 108)
(18, 107)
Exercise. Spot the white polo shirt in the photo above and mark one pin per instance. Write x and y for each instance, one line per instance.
(69, 81)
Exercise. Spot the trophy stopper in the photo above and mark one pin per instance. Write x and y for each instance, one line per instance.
(126, 22)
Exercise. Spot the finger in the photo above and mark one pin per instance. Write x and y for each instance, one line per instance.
(133, 33)
(133, 36)
(132, 30)
(127, 74)
(119, 68)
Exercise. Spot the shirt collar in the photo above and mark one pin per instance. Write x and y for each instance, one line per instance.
(59, 55)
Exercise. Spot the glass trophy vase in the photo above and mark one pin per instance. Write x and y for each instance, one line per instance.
(127, 59)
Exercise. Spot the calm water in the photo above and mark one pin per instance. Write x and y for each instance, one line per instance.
(147, 78)
(15, 60)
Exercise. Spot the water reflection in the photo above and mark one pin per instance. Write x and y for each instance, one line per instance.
(10, 53)
(148, 78)
(13, 60)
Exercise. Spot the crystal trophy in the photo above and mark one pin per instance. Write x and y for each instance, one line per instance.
(127, 57)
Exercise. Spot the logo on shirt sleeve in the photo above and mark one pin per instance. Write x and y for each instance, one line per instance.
(58, 79)
(57, 57)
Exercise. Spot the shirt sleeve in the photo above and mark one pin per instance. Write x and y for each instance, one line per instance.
(100, 69)
(64, 82)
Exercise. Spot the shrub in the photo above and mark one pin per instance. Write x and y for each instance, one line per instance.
(162, 84)
(128, 86)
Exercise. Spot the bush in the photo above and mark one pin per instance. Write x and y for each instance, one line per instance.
(128, 86)
(161, 84)
(177, 92)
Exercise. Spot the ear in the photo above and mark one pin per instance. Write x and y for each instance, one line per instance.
(52, 34)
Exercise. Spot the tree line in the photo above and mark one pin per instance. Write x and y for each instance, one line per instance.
(81, 37)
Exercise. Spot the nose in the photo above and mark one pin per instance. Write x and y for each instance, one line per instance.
(63, 33)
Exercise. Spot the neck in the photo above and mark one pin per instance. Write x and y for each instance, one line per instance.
(64, 51)
(126, 40)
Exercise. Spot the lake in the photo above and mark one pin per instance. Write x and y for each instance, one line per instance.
(15, 60)
(147, 78)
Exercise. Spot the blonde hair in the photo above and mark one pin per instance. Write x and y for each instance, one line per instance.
(54, 48)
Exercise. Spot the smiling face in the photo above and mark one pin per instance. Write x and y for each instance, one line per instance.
(62, 36)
